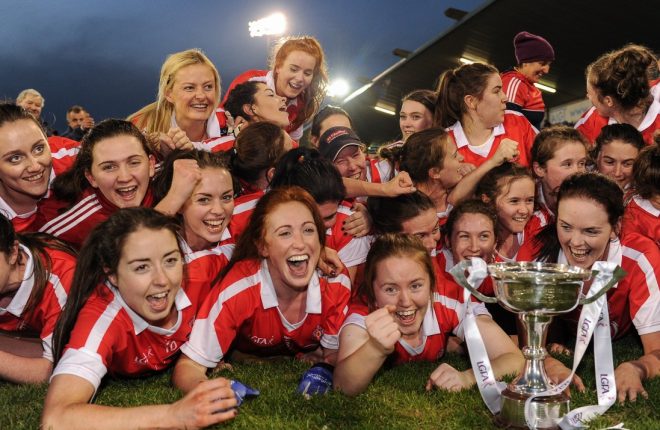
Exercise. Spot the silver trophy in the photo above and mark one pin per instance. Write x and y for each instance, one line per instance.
(536, 292)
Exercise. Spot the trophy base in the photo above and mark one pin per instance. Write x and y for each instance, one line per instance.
(548, 411)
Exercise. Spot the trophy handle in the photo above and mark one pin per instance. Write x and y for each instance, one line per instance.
(616, 277)
(458, 272)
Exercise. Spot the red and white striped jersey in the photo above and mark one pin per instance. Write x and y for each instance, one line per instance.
(643, 218)
(352, 250)
(635, 300)
(443, 317)
(522, 93)
(203, 266)
(43, 317)
(242, 312)
(243, 207)
(379, 171)
(109, 337)
(64, 152)
(515, 127)
(592, 122)
(74, 225)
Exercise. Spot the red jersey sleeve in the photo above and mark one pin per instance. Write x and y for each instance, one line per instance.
(223, 312)
(641, 259)
(590, 124)
(335, 308)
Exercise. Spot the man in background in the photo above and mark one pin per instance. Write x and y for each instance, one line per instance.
(79, 121)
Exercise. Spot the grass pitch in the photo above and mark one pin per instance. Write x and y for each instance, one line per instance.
(395, 400)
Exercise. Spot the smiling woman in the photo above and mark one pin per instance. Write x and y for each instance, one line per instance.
(204, 187)
(25, 166)
(589, 213)
(271, 301)
(112, 171)
(401, 314)
(127, 315)
(298, 73)
(188, 95)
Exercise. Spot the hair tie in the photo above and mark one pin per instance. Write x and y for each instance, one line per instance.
(301, 159)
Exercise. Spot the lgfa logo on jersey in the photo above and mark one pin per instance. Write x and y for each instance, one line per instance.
(318, 333)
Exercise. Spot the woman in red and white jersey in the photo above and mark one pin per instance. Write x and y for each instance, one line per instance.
(112, 171)
(298, 73)
(304, 167)
(35, 278)
(437, 169)
(186, 113)
(589, 212)
(343, 147)
(127, 316)
(472, 107)
(618, 87)
(403, 314)
(26, 169)
(614, 154)
(534, 55)
(254, 101)
(362, 176)
(509, 189)
(204, 189)
(642, 214)
(558, 152)
(270, 301)
(252, 162)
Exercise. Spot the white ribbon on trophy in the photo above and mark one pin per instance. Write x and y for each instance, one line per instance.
(593, 318)
(489, 388)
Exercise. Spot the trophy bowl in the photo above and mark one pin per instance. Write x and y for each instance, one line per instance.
(538, 287)
(535, 292)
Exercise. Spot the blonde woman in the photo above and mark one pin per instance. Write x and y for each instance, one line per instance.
(185, 114)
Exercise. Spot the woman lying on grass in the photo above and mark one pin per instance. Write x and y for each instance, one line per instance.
(35, 277)
(401, 315)
(127, 315)
(271, 300)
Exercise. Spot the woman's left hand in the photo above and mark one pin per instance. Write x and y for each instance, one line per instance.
(448, 378)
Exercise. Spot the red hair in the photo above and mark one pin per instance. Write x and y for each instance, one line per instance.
(314, 95)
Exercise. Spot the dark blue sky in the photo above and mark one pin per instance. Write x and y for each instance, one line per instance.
(106, 55)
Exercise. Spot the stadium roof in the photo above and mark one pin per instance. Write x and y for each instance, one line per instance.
(579, 31)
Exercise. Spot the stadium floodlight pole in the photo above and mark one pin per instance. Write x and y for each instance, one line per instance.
(271, 25)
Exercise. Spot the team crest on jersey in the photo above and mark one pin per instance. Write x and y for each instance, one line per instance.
(317, 333)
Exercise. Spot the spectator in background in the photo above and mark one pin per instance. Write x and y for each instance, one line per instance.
(533, 57)
(78, 121)
(32, 101)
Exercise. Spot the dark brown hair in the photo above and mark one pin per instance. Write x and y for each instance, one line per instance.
(646, 172)
(469, 79)
(393, 245)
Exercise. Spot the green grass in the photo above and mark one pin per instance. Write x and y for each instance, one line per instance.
(395, 400)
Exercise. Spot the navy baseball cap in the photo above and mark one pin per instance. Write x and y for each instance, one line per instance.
(334, 139)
